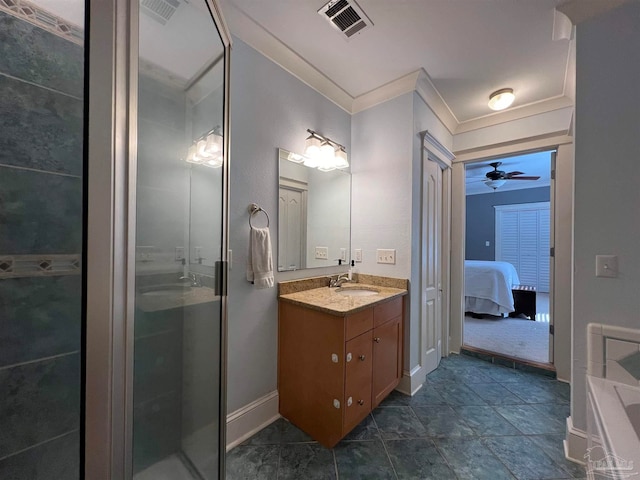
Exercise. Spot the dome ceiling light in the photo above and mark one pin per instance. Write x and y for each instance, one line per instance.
(501, 99)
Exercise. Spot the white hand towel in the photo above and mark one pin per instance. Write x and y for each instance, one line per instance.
(259, 262)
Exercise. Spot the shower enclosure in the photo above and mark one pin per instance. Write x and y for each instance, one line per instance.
(113, 239)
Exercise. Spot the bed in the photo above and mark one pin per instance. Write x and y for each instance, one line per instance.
(487, 287)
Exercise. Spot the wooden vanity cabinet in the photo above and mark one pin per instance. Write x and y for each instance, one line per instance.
(332, 369)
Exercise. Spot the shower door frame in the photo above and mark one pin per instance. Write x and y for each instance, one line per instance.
(111, 83)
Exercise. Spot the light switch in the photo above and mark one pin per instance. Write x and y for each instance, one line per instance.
(487, 243)
(606, 265)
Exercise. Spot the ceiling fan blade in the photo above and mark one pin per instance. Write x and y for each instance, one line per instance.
(512, 174)
(523, 178)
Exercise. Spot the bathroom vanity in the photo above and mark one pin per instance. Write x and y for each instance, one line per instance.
(339, 355)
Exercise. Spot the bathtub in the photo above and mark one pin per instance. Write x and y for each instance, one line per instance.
(613, 429)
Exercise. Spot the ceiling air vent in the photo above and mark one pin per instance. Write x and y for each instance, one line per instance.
(160, 10)
(345, 16)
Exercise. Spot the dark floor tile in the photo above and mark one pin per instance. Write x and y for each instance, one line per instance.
(462, 374)
(533, 393)
(58, 459)
(397, 399)
(306, 461)
(458, 394)
(363, 461)
(279, 432)
(365, 430)
(559, 411)
(495, 394)
(485, 421)
(398, 422)
(39, 401)
(524, 458)
(425, 396)
(553, 446)
(44, 310)
(472, 460)
(36, 55)
(442, 421)
(455, 360)
(418, 459)
(41, 213)
(255, 462)
(40, 129)
(503, 374)
(529, 420)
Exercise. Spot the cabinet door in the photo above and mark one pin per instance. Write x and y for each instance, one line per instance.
(387, 359)
(357, 390)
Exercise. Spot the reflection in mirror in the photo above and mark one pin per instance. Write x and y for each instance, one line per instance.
(314, 215)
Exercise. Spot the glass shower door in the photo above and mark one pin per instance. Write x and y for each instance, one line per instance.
(178, 337)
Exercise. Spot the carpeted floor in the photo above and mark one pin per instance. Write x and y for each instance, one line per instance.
(515, 337)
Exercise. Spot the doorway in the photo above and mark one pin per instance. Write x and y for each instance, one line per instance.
(507, 264)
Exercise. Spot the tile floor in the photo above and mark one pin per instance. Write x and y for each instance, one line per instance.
(470, 420)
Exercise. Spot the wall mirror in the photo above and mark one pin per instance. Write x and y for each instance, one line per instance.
(314, 215)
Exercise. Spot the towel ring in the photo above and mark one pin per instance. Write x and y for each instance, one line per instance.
(253, 209)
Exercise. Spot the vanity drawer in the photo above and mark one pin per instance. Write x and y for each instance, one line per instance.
(358, 323)
(358, 376)
(387, 311)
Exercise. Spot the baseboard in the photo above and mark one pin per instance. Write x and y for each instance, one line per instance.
(412, 381)
(575, 444)
(250, 419)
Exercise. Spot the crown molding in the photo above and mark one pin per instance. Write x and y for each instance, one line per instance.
(255, 35)
(516, 113)
(385, 92)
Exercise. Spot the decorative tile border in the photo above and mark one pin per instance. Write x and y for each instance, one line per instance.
(16, 266)
(39, 17)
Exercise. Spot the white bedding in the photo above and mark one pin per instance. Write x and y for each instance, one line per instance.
(488, 286)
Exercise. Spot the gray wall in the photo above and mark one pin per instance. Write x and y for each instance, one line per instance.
(481, 218)
(607, 197)
(41, 91)
(269, 109)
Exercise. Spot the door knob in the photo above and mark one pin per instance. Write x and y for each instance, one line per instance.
(360, 402)
(362, 357)
(376, 339)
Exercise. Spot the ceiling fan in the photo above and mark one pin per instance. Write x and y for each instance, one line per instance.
(497, 178)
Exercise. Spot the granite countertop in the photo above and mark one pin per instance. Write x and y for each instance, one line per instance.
(327, 300)
(177, 299)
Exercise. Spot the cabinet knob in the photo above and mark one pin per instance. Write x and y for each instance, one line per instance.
(360, 402)
(362, 357)
(376, 339)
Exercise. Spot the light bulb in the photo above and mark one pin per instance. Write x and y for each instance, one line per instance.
(214, 144)
(192, 155)
(312, 146)
(201, 148)
(215, 162)
(501, 99)
(341, 158)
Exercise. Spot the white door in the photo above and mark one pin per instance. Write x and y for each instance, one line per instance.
(291, 219)
(431, 265)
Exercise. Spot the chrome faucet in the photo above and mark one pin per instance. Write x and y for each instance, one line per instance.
(339, 280)
(193, 278)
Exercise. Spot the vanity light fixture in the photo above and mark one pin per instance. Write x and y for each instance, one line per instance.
(501, 99)
(323, 153)
(207, 149)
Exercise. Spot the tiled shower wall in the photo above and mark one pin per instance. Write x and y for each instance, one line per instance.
(41, 121)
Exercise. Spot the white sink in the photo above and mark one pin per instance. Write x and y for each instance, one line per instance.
(357, 292)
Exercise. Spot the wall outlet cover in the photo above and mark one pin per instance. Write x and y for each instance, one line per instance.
(343, 254)
(358, 255)
(607, 266)
(322, 253)
(386, 255)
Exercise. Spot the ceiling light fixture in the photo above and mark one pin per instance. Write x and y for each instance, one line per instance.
(323, 153)
(501, 99)
(495, 183)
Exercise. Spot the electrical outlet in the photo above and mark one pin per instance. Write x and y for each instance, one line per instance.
(197, 253)
(386, 255)
(487, 243)
(179, 253)
(358, 255)
(322, 253)
(343, 254)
